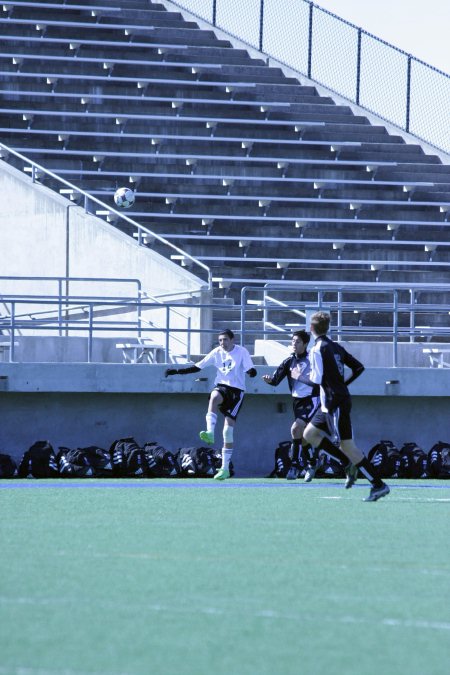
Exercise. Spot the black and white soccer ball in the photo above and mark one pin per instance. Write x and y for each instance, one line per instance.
(124, 197)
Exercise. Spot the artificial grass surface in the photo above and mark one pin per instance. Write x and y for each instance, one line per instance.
(248, 577)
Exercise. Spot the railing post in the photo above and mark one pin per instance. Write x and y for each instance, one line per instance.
(310, 36)
(13, 332)
(214, 12)
(412, 315)
(90, 329)
(261, 25)
(358, 66)
(243, 298)
(188, 341)
(265, 313)
(60, 307)
(408, 93)
(395, 327)
(166, 348)
(339, 317)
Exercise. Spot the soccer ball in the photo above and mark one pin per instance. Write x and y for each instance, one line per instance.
(124, 198)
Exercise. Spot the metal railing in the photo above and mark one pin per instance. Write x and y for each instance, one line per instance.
(397, 317)
(36, 171)
(394, 318)
(344, 58)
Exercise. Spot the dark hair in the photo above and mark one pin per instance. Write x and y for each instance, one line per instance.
(320, 321)
(228, 332)
(303, 335)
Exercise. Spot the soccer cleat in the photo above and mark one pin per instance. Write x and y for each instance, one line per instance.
(351, 475)
(377, 492)
(222, 474)
(293, 472)
(310, 473)
(207, 437)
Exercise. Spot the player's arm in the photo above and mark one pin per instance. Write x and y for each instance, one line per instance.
(247, 364)
(207, 360)
(182, 371)
(355, 366)
(277, 376)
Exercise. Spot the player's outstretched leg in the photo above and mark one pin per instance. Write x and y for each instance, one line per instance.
(379, 488)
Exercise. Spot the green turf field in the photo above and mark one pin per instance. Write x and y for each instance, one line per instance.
(260, 577)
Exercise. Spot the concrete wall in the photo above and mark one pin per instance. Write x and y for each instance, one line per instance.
(44, 234)
(80, 405)
(371, 354)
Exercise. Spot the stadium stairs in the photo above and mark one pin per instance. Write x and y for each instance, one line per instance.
(240, 166)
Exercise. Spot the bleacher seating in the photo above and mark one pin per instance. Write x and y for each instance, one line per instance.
(239, 165)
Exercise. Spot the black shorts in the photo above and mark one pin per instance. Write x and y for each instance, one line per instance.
(304, 408)
(336, 423)
(232, 400)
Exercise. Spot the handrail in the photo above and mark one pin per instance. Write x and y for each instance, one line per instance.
(394, 308)
(319, 48)
(88, 197)
(399, 324)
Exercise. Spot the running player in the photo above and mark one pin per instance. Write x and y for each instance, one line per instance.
(232, 363)
(305, 401)
(328, 359)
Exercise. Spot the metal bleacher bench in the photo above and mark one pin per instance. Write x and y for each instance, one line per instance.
(437, 357)
(143, 350)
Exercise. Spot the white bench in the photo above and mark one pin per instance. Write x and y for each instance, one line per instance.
(142, 351)
(437, 357)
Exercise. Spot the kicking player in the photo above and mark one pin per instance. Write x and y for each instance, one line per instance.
(232, 363)
(328, 359)
(305, 401)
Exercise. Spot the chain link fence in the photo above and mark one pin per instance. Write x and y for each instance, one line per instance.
(342, 57)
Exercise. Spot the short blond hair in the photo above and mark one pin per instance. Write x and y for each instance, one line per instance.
(320, 323)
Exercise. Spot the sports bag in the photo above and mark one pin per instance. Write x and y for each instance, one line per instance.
(439, 460)
(413, 461)
(385, 457)
(84, 462)
(328, 467)
(161, 463)
(282, 460)
(39, 462)
(196, 462)
(8, 467)
(128, 459)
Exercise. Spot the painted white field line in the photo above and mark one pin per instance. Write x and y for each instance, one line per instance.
(26, 670)
(251, 614)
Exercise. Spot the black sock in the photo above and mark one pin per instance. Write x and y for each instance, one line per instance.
(327, 446)
(369, 472)
(295, 448)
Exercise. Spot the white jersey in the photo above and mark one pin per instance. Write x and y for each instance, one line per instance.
(231, 366)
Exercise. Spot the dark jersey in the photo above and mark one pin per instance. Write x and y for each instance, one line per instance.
(328, 359)
(298, 388)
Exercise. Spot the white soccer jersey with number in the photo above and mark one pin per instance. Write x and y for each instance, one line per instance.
(231, 366)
